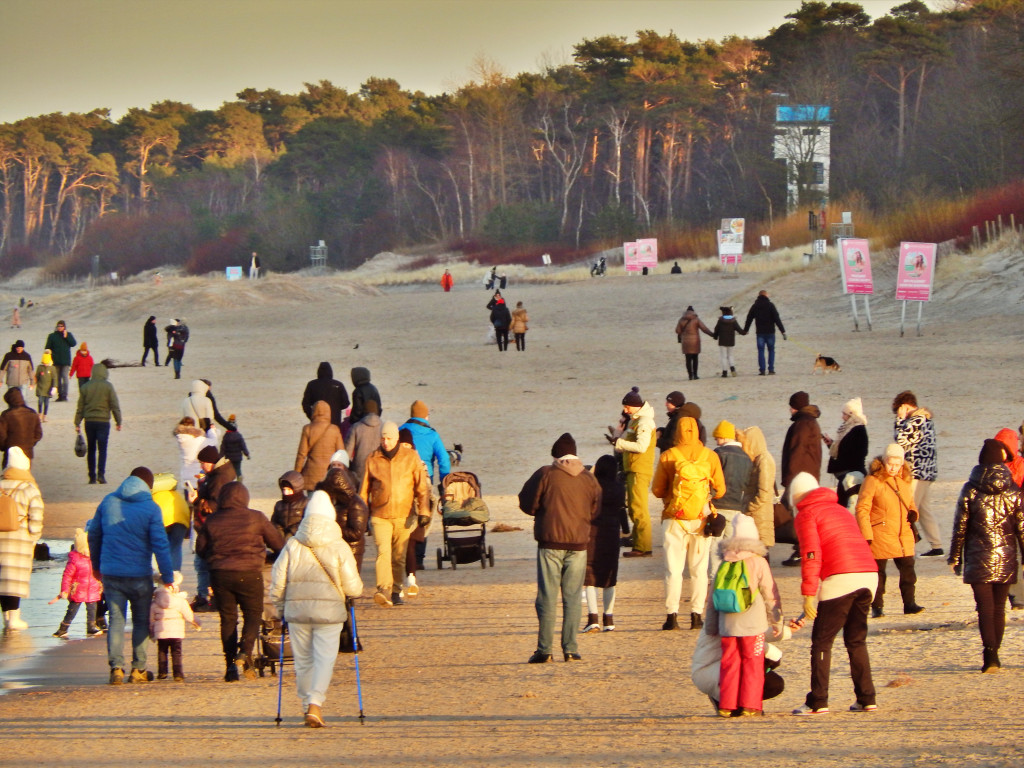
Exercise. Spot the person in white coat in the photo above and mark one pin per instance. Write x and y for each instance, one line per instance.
(198, 406)
(312, 576)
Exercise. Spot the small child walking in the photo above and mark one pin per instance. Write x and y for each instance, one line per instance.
(742, 634)
(233, 446)
(725, 332)
(79, 585)
(167, 616)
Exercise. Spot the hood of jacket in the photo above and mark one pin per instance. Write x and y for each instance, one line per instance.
(162, 597)
(199, 388)
(1009, 438)
(991, 478)
(371, 420)
(183, 429)
(318, 527)
(339, 484)
(878, 470)
(687, 438)
(164, 481)
(325, 371)
(293, 480)
(753, 442)
(132, 488)
(13, 397)
(99, 373)
(360, 376)
(808, 411)
(233, 495)
(321, 411)
(571, 465)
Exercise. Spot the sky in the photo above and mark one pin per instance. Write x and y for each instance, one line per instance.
(78, 55)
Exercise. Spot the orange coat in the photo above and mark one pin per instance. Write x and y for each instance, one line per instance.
(885, 510)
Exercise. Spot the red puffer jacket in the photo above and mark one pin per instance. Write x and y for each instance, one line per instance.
(78, 582)
(830, 540)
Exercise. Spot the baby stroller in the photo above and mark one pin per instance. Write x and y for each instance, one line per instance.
(269, 646)
(464, 517)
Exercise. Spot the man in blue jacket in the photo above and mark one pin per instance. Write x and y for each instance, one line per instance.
(431, 449)
(126, 532)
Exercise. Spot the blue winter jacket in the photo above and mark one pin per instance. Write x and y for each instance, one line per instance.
(429, 446)
(127, 530)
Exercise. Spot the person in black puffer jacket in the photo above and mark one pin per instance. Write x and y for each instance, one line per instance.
(234, 543)
(289, 510)
(325, 387)
(363, 391)
(988, 528)
(352, 513)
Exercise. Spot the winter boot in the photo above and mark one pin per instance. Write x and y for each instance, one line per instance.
(732, 370)
(609, 623)
(670, 622)
(231, 671)
(592, 625)
(725, 374)
(696, 621)
(991, 657)
(93, 629)
(12, 620)
(62, 630)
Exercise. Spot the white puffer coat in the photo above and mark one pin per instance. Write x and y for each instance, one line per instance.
(299, 588)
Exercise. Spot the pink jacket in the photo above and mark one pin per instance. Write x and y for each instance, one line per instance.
(830, 540)
(78, 582)
(168, 614)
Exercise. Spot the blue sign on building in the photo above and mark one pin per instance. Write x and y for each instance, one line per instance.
(803, 113)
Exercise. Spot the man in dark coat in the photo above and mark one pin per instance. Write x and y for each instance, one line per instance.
(218, 471)
(325, 387)
(363, 391)
(150, 341)
(60, 343)
(563, 499)
(674, 401)
(19, 425)
(765, 318)
(801, 450)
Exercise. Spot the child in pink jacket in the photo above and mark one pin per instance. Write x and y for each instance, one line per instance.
(167, 616)
(741, 678)
(79, 585)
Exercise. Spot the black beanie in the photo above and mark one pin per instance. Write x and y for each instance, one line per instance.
(799, 400)
(563, 446)
(144, 474)
(993, 452)
(633, 397)
(677, 398)
(208, 455)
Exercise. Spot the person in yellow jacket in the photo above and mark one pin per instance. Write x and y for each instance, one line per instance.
(687, 505)
(174, 508)
(637, 445)
(397, 491)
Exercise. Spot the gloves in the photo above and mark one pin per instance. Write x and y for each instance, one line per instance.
(423, 520)
(810, 608)
(784, 337)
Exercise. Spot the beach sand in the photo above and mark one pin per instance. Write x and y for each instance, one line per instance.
(444, 679)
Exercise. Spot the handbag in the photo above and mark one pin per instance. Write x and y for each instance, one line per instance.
(53, 392)
(80, 449)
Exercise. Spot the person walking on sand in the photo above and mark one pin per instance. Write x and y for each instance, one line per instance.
(765, 318)
(885, 511)
(16, 318)
(78, 585)
(81, 365)
(520, 326)
(60, 343)
(177, 337)
(16, 367)
(18, 546)
(563, 499)
(46, 384)
(836, 566)
(848, 451)
(988, 536)
(801, 450)
(637, 447)
(914, 430)
(97, 403)
(318, 442)
(126, 533)
(19, 425)
(725, 332)
(325, 387)
(150, 341)
(688, 331)
(311, 581)
(447, 281)
(363, 391)
(501, 319)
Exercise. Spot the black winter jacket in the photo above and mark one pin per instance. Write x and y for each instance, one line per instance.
(988, 527)
(324, 387)
(352, 514)
(236, 538)
(764, 316)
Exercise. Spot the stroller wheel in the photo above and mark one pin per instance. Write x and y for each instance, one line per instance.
(440, 559)
(490, 556)
(483, 557)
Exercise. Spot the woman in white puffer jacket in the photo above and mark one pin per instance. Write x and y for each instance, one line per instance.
(312, 576)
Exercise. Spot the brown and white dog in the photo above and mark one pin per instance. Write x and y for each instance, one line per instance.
(825, 364)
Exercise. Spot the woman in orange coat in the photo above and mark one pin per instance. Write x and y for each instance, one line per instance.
(885, 511)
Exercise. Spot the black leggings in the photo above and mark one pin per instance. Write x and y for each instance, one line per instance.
(9, 603)
(521, 341)
(691, 366)
(990, 601)
(502, 334)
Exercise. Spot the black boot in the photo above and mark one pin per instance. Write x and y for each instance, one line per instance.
(231, 671)
(991, 657)
(670, 622)
(62, 630)
(696, 621)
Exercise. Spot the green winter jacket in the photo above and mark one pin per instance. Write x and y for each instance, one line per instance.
(97, 400)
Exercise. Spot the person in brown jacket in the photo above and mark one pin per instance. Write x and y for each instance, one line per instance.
(19, 425)
(885, 511)
(688, 331)
(519, 326)
(801, 451)
(320, 439)
(397, 490)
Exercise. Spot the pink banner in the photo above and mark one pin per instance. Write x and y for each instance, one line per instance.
(915, 273)
(855, 264)
(647, 253)
(629, 257)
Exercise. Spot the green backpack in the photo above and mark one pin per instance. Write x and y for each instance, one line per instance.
(732, 588)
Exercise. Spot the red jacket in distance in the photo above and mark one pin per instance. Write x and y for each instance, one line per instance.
(830, 540)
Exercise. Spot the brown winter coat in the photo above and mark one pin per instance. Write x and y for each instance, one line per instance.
(759, 492)
(320, 440)
(19, 424)
(885, 510)
(688, 330)
(391, 487)
(519, 320)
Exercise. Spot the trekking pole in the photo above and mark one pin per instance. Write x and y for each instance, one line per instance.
(280, 673)
(355, 650)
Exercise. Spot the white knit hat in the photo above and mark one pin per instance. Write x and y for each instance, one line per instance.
(801, 485)
(16, 458)
(340, 457)
(855, 408)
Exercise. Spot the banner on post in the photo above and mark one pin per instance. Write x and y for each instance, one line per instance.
(855, 265)
(647, 253)
(915, 272)
(630, 252)
(730, 241)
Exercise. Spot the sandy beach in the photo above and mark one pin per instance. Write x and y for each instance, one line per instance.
(444, 679)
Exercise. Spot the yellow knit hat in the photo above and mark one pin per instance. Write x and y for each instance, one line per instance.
(725, 430)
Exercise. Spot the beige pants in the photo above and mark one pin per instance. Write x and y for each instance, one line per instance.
(391, 535)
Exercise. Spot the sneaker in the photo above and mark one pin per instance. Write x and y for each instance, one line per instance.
(748, 712)
(858, 707)
(117, 676)
(140, 676)
(396, 598)
(101, 624)
(314, 717)
(382, 599)
(910, 609)
(591, 628)
(608, 628)
(179, 678)
(723, 712)
(808, 710)
(92, 481)
(539, 658)
(933, 553)
(792, 560)
(161, 675)
(771, 373)
(411, 587)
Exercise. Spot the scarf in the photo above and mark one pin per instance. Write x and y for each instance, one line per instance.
(857, 419)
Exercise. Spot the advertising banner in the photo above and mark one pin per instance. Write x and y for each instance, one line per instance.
(629, 257)
(855, 265)
(647, 253)
(915, 272)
